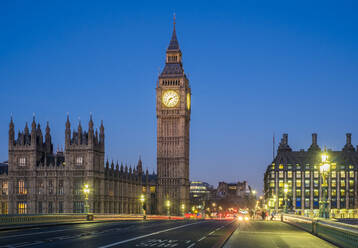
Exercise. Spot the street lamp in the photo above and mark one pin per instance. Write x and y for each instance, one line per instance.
(324, 169)
(86, 191)
(142, 200)
(285, 190)
(168, 207)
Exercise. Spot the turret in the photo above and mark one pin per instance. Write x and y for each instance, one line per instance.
(68, 132)
(48, 143)
(90, 131)
(11, 133)
(33, 132)
(79, 130)
(101, 134)
(139, 166)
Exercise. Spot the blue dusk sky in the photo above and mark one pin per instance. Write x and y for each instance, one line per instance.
(255, 68)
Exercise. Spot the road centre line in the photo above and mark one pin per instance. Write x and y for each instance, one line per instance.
(211, 232)
(202, 238)
(147, 235)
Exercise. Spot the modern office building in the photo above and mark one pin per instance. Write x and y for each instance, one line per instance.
(300, 171)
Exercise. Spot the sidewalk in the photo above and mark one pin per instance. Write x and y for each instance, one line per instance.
(266, 234)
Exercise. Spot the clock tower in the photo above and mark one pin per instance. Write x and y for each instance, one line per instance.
(173, 124)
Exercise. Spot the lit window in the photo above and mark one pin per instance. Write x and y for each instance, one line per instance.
(289, 182)
(343, 174)
(289, 174)
(334, 184)
(298, 183)
(272, 183)
(298, 167)
(343, 183)
(351, 183)
(315, 183)
(315, 174)
(334, 174)
(307, 183)
(307, 192)
(316, 192)
(5, 188)
(343, 192)
(272, 174)
(273, 166)
(298, 174)
(79, 160)
(280, 174)
(351, 174)
(307, 174)
(298, 192)
(280, 183)
(334, 192)
(22, 161)
(281, 166)
(22, 207)
(21, 187)
(333, 166)
(351, 167)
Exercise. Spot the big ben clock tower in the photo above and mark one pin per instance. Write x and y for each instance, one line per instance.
(173, 124)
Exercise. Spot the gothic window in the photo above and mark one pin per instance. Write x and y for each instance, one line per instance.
(298, 174)
(22, 207)
(289, 174)
(4, 209)
(60, 207)
(22, 161)
(50, 187)
(334, 174)
(5, 189)
(40, 207)
(21, 187)
(40, 187)
(307, 183)
(79, 160)
(280, 174)
(315, 174)
(343, 183)
(61, 189)
(78, 187)
(50, 207)
(298, 183)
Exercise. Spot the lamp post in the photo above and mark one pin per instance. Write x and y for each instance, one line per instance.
(142, 200)
(324, 169)
(285, 190)
(168, 207)
(183, 209)
(86, 191)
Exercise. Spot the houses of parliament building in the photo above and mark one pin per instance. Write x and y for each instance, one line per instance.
(37, 180)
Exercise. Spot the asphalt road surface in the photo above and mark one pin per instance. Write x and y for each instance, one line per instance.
(165, 233)
(267, 234)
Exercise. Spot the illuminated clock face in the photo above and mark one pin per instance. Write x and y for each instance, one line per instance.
(170, 98)
(188, 101)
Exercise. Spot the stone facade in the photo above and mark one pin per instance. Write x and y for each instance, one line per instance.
(173, 124)
(38, 180)
(300, 171)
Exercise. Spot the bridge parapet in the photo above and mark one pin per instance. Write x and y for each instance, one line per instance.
(343, 235)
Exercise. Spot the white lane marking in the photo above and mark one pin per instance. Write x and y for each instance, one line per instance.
(27, 234)
(211, 232)
(217, 229)
(192, 245)
(147, 235)
(202, 238)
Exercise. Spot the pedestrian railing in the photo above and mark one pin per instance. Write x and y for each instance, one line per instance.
(343, 235)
